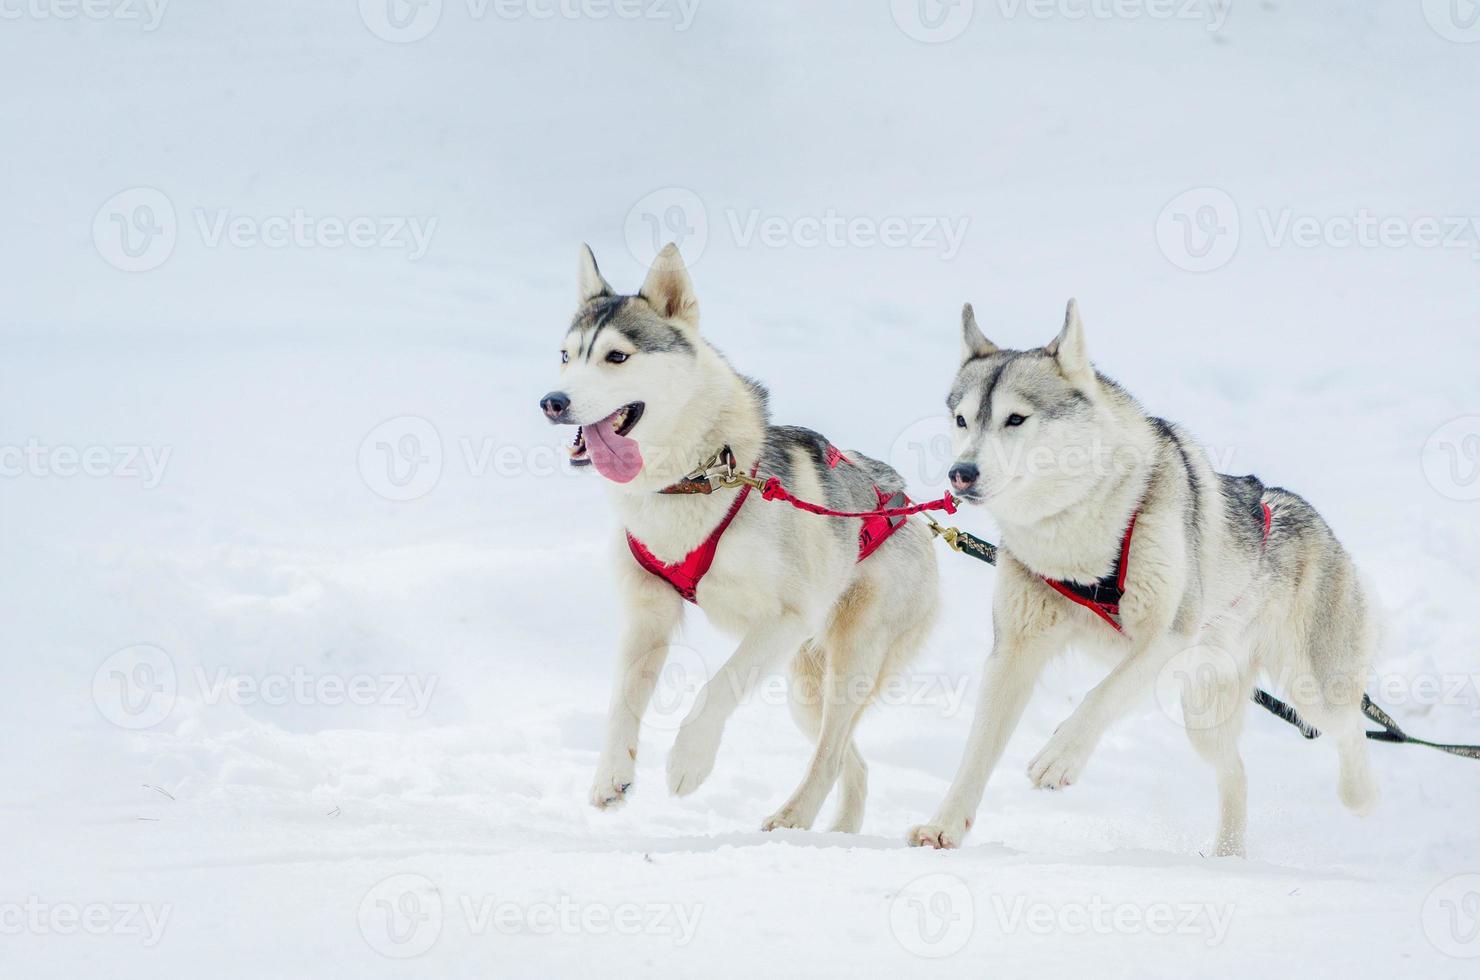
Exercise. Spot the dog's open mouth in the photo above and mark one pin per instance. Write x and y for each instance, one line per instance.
(607, 445)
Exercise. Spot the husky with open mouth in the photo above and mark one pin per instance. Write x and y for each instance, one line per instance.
(845, 601)
(1119, 538)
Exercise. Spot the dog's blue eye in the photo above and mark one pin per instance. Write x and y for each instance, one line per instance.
(1015, 419)
(565, 357)
(616, 357)
(960, 422)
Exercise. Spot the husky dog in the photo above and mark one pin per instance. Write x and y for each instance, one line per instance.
(1215, 587)
(653, 401)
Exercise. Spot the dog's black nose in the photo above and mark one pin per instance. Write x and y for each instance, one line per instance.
(555, 404)
(963, 475)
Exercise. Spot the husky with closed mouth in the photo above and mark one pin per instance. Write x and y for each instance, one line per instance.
(653, 402)
(1118, 538)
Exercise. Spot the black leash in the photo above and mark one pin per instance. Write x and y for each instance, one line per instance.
(1390, 733)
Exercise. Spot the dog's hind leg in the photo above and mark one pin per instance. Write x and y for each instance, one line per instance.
(805, 698)
(1214, 699)
(1325, 682)
(856, 648)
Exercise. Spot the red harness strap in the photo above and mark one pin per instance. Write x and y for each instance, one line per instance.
(684, 575)
(1103, 597)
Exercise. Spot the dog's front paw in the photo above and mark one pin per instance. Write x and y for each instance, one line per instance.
(613, 780)
(943, 835)
(691, 759)
(1061, 761)
(786, 818)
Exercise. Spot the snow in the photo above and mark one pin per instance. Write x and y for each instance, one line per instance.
(388, 710)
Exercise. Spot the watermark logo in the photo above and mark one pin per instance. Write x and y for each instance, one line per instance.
(413, 692)
(401, 458)
(1451, 917)
(1101, 917)
(136, 687)
(401, 21)
(1451, 458)
(679, 693)
(142, 920)
(301, 230)
(679, 215)
(146, 464)
(831, 229)
(933, 21)
(669, 214)
(922, 453)
(407, 21)
(148, 14)
(1198, 230)
(1212, 12)
(933, 916)
(1199, 687)
(135, 229)
(401, 916)
(1454, 20)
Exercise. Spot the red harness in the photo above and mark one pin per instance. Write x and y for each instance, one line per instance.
(684, 575)
(1103, 597)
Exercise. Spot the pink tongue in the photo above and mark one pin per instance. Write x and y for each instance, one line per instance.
(616, 457)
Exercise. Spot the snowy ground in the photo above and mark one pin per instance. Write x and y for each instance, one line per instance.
(402, 763)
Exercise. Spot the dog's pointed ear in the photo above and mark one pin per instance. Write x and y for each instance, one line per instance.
(1069, 349)
(974, 343)
(588, 277)
(669, 290)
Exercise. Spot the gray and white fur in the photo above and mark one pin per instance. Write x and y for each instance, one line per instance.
(1064, 458)
(786, 582)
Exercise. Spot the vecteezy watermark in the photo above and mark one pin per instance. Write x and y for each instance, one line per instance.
(1451, 917)
(401, 916)
(1101, 917)
(1451, 458)
(136, 687)
(146, 13)
(404, 915)
(401, 458)
(1199, 686)
(1200, 230)
(302, 687)
(684, 685)
(136, 230)
(1213, 13)
(1454, 20)
(932, 21)
(143, 920)
(35, 459)
(925, 450)
(679, 215)
(669, 214)
(484, 914)
(406, 21)
(299, 229)
(933, 916)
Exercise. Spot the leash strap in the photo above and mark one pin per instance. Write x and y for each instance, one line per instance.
(1390, 733)
(773, 490)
